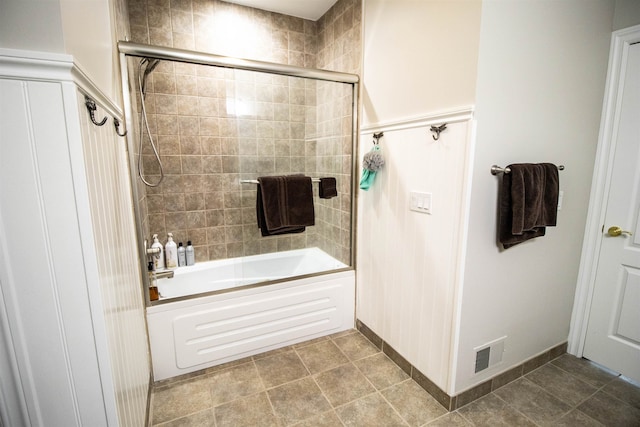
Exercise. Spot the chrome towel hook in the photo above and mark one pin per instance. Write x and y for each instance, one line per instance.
(437, 130)
(91, 107)
(116, 123)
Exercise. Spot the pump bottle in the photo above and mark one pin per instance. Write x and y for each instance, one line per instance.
(171, 251)
(158, 259)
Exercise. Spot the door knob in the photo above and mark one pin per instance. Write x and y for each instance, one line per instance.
(616, 231)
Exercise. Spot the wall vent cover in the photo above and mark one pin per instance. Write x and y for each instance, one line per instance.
(489, 354)
(482, 359)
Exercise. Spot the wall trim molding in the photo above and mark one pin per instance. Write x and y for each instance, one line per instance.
(451, 403)
(461, 114)
(620, 42)
(53, 67)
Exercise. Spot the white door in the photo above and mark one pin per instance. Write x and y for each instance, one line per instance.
(613, 330)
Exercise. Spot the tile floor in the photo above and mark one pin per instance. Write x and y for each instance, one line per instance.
(344, 380)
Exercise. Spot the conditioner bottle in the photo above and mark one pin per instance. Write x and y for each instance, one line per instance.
(191, 254)
(171, 252)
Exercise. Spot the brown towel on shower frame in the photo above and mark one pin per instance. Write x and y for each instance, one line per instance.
(528, 202)
(327, 188)
(284, 204)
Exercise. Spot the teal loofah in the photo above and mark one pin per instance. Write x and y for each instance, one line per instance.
(371, 163)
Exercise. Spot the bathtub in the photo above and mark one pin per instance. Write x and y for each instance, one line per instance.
(236, 315)
(222, 275)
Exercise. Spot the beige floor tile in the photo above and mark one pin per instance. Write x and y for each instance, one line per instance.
(321, 356)
(310, 342)
(272, 352)
(295, 385)
(584, 370)
(610, 411)
(532, 401)
(561, 384)
(625, 391)
(381, 371)
(343, 384)
(326, 419)
(343, 333)
(452, 419)
(298, 400)
(248, 411)
(183, 399)
(234, 382)
(491, 411)
(575, 418)
(370, 411)
(280, 368)
(199, 419)
(414, 405)
(356, 346)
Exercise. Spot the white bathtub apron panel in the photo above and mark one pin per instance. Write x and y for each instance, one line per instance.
(194, 334)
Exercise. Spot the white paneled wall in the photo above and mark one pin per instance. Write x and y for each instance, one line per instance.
(107, 175)
(409, 262)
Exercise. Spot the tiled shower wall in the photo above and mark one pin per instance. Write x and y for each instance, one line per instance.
(215, 126)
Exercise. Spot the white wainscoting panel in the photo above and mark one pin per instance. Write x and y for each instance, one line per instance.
(42, 274)
(409, 263)
(107, 175)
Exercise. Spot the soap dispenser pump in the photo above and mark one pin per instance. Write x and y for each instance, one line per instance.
(171, 251)
(158, 259)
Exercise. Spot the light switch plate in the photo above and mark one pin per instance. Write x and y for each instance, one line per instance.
(420, 202)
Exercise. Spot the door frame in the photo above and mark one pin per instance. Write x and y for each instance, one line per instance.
(601, 183)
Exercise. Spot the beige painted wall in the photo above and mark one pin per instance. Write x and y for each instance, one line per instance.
(627, 14)
(82, 28)
(31, 25)
(419, 57)
(541, 78)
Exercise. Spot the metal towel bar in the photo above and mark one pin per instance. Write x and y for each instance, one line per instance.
(255, 181)
(495, 169)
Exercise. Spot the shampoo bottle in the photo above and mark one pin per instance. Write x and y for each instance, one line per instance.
(191, 254)
(158, 258)
(182, 260)
(171, 252)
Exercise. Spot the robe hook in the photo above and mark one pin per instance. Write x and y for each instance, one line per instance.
(116, 123)
(376, 137)
(91, 107)
(437, 130)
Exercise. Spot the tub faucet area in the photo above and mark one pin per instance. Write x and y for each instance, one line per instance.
(165, 274)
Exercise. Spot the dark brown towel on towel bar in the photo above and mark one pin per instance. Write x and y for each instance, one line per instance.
(327, 188)
(284, 204)
(528, 202)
